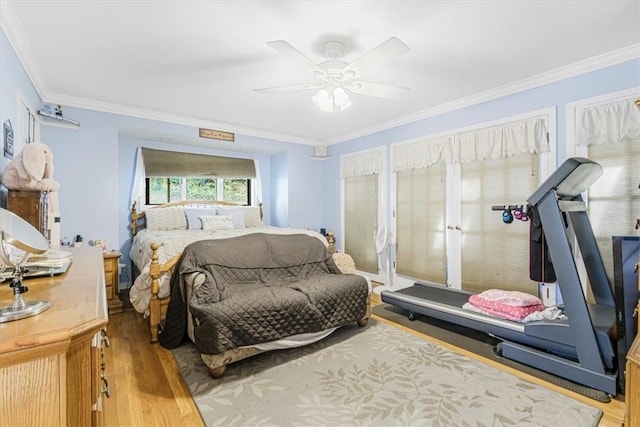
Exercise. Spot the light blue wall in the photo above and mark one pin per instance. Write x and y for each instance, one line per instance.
(95, 166)
(296, 176)
(306, 182)
(558, 94)
(13, 78)
(279, 189)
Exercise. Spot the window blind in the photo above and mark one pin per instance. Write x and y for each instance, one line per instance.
(168, 164)
(361, 221)
(495, 254)
(614, 199)
(420, 223)
(498, 166)
(611, 133)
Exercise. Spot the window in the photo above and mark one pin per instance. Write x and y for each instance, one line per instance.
(495, 254)
(607, 130)
(362, 191)
(361, 221)
(445, 186)
(164, 190)
(171, 176)
(420, 220)
(614, 199)
(236, 190)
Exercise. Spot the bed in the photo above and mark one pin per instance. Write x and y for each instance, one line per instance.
(158, 238)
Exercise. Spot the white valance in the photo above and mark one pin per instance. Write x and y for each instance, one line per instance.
(361, 164)
(505, 140)
(422, 154)
(617, 121)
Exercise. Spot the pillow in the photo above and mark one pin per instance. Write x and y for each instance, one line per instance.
(193, 216)
(216, 222)
(237, 215)
(252, 216)
(344, 262)
(166, 219)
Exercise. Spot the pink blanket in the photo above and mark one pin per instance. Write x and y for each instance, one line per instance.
(510, 305)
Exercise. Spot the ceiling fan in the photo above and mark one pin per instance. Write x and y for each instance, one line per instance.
(335, 78)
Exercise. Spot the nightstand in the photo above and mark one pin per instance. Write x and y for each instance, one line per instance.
(111, 273)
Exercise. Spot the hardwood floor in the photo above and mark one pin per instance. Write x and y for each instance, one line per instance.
(147, 389)
(146, 386)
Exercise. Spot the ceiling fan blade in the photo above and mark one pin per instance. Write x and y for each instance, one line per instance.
(286, 49)
(307, 86)
(376, 89)
(385, 52)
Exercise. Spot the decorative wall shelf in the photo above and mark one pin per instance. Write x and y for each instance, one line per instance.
(56, 120)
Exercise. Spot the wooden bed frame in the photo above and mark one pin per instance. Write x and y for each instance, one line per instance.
(158, 306)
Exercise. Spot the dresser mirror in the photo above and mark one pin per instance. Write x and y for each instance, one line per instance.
(19, 240)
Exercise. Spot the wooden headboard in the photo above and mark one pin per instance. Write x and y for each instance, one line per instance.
(138, 220)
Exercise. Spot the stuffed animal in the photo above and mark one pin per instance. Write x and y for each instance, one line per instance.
(31, 169)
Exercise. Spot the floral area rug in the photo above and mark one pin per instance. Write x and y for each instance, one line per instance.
(373, 376)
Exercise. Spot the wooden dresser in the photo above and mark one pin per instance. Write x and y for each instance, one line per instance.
(51, 368)
(632, 388)
(30, 205)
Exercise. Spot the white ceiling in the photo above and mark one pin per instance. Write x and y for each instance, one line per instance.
(197, 62)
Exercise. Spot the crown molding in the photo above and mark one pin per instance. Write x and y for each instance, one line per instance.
(12, 28)
(15, 34)
(125, 110)
(582, 67)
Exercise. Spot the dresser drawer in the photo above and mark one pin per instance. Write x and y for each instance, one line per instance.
(111, 281)
(110, 266)
(110, 291)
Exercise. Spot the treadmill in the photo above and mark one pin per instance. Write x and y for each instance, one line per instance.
(580, 348)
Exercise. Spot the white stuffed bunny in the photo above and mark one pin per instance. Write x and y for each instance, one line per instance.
(31, 170)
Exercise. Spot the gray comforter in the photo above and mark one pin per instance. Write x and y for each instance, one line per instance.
(260, 288)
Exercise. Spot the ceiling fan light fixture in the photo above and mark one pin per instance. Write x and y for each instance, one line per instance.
(336, 79)
(331, 101)
(340, 98)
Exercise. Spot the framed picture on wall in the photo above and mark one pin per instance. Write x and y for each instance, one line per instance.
(8, 139)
